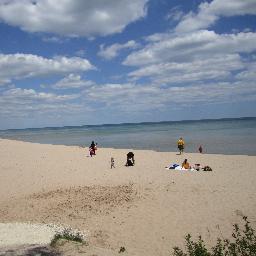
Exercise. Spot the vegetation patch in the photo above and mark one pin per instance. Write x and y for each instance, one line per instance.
(242, 244)
(69, 235)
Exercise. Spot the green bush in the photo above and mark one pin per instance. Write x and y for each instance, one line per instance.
(67, 234)
(242, 244)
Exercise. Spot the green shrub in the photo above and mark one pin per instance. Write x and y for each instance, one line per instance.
(243, 244)
(67, 234)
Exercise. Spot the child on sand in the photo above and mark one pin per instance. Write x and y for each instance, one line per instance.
(112, 163)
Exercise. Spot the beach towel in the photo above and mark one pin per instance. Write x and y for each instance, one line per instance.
(177, 167)
(172, 166)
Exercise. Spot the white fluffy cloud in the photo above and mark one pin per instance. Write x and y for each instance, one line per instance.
(249, 74)
(108, 98)
(134, 97)
(202, 57)
(197, 45)
(29, 95)
(113, 50)
(196, 70)
(72, 18)
(175, 14)
(72, 81)
(209, 13)
(19, 103)
(18, 66)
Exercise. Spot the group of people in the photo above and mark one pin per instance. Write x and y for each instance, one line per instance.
(181, 146)
(130, 161)
(185, 164)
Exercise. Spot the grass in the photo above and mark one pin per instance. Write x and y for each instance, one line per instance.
(243, 243)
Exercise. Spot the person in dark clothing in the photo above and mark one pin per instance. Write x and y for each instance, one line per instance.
(130, 159)
(92, 148)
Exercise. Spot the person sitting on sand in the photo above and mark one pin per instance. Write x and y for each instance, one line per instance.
(185, 164)
(130, 159)
(181, 145)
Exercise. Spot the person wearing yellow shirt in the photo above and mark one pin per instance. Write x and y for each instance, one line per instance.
(185, 164)
(181, 145)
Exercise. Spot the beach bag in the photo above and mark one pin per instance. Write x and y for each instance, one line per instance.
(207, 169)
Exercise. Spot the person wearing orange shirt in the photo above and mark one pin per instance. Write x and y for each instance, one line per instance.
(185, 164)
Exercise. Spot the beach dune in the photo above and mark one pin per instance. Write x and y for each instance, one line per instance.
(145, 208)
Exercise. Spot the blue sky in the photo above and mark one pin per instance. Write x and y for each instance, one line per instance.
(112, 61)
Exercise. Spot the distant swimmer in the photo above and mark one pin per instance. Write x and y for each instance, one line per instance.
(181, 145)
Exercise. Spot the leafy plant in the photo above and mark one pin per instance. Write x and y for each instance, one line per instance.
(243, 244)
(67, 234)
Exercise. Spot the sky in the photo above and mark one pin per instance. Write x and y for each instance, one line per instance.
(82, 62)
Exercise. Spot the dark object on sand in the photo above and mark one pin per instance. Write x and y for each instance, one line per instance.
(130, 159)
(207, 169)
(197, 167)
(122, 249)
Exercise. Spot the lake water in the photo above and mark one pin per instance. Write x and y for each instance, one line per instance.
(224, 136)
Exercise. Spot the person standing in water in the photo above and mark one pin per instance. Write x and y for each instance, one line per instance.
(181, 145)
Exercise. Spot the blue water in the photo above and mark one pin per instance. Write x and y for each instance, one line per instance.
(223, 136)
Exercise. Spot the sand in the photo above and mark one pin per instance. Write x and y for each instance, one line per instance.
(145, 208)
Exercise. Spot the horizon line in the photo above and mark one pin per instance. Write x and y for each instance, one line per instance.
(131, 123)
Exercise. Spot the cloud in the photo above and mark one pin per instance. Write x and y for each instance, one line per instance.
(183, 48)
(138, 97)
(80, 53)
(113, 50)
(53, 39)
(209, 13)
(249, 74)
(123, 98)
(175, 14)
(18, 102)
(19, 66)
(29, 95)
(120, 99)
(72, 81)
(72, 18)
(219, 67)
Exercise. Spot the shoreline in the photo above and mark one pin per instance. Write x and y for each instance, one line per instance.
(113, 148)
(42, 183)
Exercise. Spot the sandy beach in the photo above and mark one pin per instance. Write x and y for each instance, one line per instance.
(145, 208)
